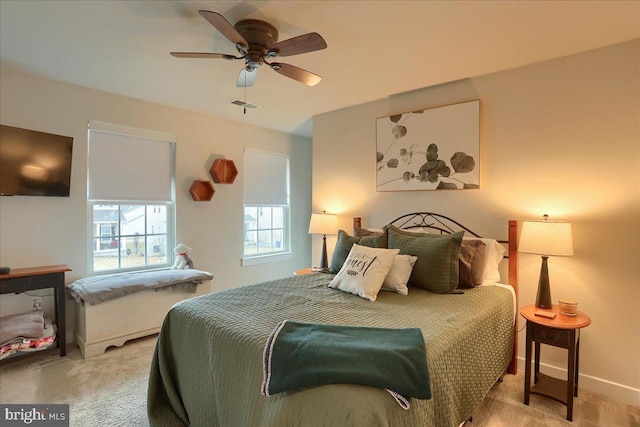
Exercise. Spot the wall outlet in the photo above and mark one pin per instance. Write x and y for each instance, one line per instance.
(37, 303)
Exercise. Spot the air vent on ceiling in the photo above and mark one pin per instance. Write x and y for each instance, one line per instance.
(240, 103)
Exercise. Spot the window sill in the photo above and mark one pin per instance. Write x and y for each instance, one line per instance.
(265, 259)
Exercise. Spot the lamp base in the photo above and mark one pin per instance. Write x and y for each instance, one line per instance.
(323, 261)
(543, 299)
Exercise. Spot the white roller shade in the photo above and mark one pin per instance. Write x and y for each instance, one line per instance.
(266, 178)
(129, 164)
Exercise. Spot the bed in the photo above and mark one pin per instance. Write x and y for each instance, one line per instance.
(208, 365)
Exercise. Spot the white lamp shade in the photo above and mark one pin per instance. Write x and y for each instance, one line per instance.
(323, 224)
(549, 238)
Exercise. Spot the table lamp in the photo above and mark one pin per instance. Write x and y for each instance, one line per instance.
(323, 224)
(545, 238)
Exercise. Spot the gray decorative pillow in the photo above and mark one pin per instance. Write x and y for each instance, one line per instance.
(471, 263)
(361, 232)
(436, 269)
(345, 242)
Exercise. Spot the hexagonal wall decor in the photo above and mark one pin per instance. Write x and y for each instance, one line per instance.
(223, 171)
(201, 191)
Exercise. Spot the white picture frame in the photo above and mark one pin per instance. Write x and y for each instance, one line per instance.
(430, 149)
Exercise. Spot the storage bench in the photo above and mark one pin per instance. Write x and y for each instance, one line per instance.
(134, 315)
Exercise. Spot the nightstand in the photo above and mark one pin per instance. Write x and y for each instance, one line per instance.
(309, 270)
(561, 331)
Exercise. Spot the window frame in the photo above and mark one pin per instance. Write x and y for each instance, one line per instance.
(170, 205)
(284, 241)
(286, 252)
(119, 237)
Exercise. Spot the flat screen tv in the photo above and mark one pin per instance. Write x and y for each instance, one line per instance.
(34, 163)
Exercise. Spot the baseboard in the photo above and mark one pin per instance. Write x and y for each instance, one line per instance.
(619, 392)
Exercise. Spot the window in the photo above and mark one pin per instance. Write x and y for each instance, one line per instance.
(266, 203)
(263, 229)
(131, 205)
(125, 236)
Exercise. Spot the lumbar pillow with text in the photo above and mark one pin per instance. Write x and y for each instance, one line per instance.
(399, 274)
(364, 270)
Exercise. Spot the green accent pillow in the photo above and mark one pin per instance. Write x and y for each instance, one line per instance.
(436, 269)
(345, 242)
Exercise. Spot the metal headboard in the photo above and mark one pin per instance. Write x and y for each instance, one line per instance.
(433, 221)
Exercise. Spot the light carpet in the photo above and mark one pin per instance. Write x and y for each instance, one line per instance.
(111, 390)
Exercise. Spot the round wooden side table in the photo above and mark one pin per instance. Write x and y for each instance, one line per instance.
(560, 331)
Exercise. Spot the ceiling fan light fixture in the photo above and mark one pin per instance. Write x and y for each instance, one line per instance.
(246, 78)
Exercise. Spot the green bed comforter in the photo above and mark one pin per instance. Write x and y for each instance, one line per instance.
(207, 366)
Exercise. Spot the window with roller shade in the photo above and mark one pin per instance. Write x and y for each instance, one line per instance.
(130, 198)
(266, 204)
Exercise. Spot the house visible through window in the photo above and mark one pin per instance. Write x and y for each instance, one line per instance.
(266, 203)
(126, 236)
(263, 229)
(130, 198)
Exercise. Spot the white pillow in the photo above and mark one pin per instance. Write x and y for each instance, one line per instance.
(364, 271)
(494, 253)
(399, 274)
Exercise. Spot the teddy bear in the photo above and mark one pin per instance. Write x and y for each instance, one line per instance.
(183, 261)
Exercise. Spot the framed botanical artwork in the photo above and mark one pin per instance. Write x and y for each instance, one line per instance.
(431, 149)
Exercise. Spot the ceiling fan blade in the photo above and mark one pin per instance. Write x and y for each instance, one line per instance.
(303, 76)
(246, 78)
(222, 25)
(202, 55)
(300, 44)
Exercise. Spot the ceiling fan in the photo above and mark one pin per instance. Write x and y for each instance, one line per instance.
(257, 42)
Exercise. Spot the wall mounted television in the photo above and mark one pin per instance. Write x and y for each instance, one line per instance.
(34, 163)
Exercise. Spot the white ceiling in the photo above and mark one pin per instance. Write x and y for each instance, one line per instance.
(375, 48)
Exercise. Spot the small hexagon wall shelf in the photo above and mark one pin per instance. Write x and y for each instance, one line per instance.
(223, 171)
(201, 191)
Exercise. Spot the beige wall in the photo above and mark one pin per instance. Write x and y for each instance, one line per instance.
(560, 137)
(43, 231)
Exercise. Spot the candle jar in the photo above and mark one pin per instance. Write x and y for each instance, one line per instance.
(568, 308)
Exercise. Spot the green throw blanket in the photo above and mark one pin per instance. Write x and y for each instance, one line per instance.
(304, 355)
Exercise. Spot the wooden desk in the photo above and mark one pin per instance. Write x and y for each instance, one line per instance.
(28, 279)
(561, 331)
